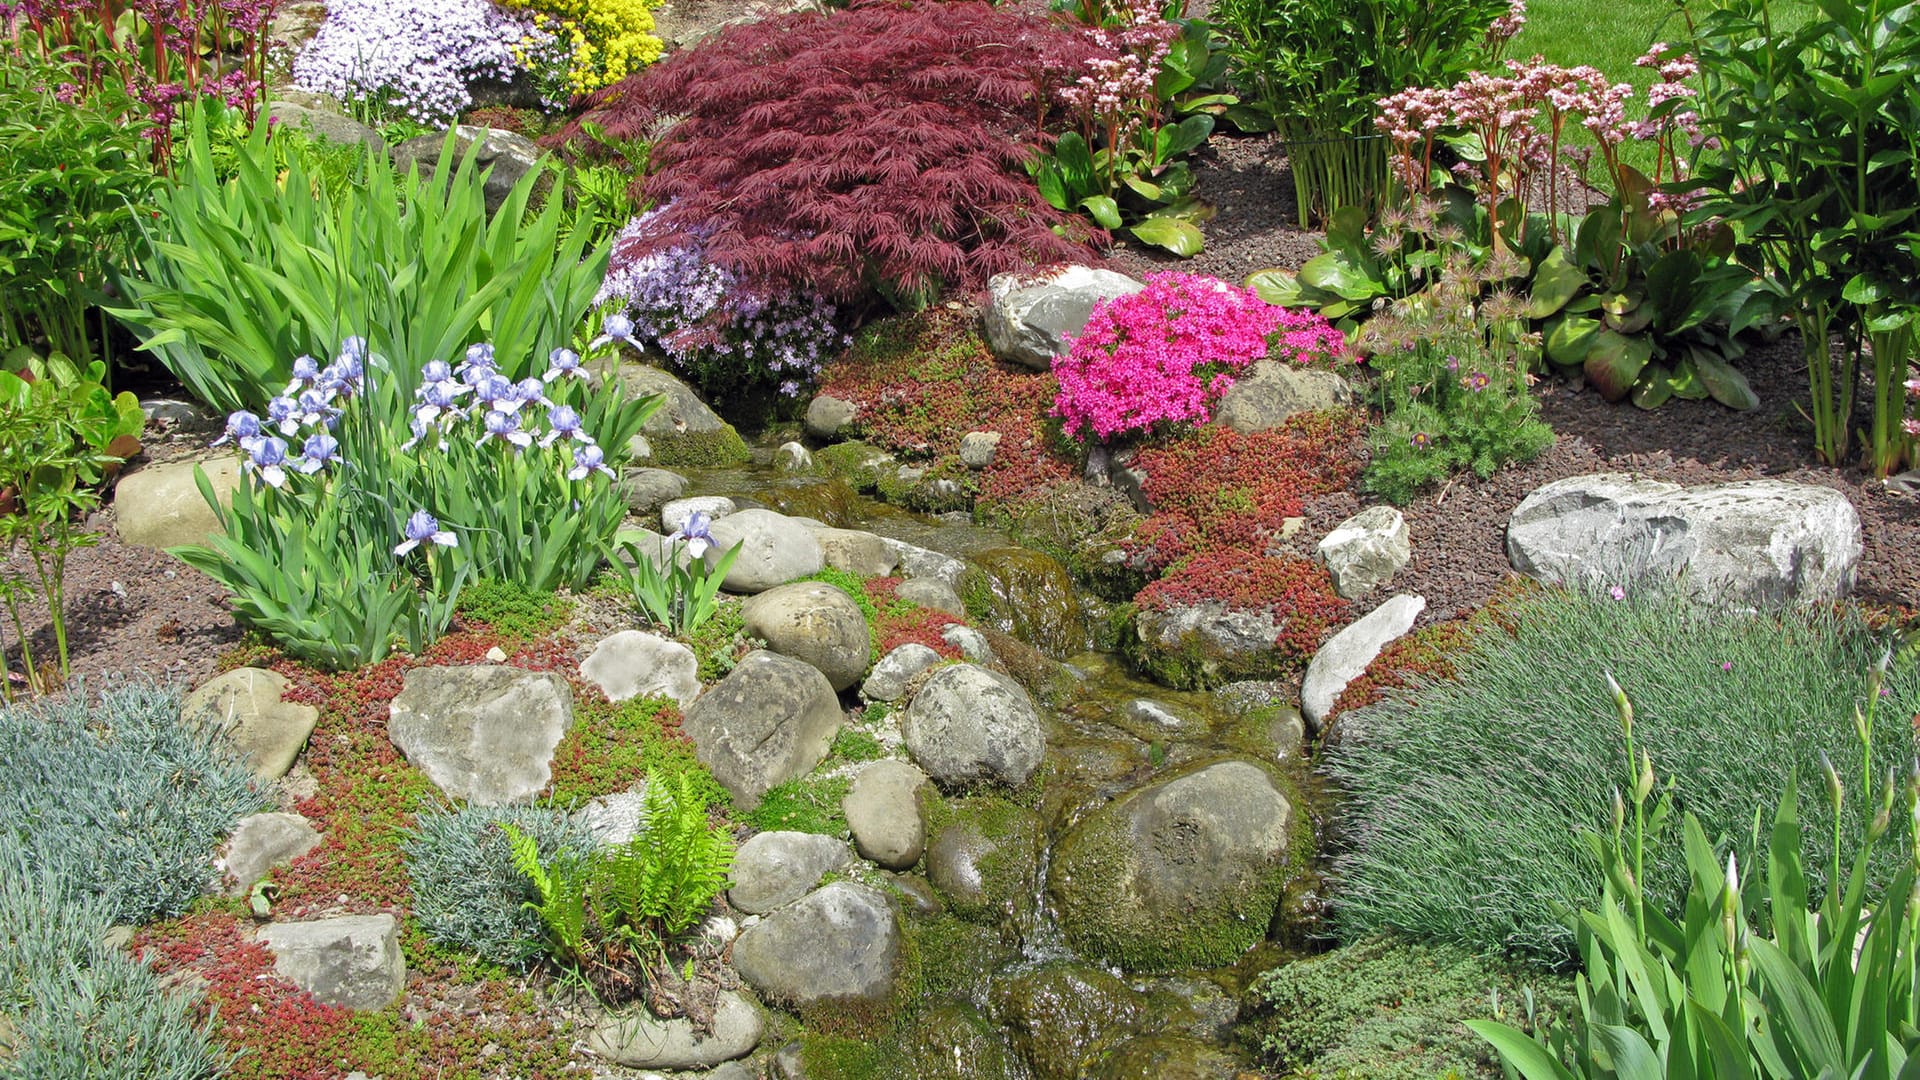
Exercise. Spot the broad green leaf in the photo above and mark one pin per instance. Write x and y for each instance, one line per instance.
(1725, 382)
(1103, 210)
(1632, 1058)
(1797, 1012)
(1570, 338)
(1614, 361)
(1555, 282)
(1335, 272)
(1176, 236)
(1277, 287)
(1528, 1058)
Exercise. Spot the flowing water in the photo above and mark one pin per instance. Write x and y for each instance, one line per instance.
(1108, 733)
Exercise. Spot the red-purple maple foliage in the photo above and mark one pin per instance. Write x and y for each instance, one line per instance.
(877, 147)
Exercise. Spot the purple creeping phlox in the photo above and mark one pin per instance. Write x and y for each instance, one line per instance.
(1166, 353)
(414, 56)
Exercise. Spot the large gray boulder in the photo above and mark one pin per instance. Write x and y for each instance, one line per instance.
(918, 563)
(889, 678)
(883, 813)
(772, 719)
(1185, 872)
(484, 733)
(681, 411)
(509, 155)
(327, 124)
(647, 489)
(1029, 315)
(862, 554)
(838, 945)
(1747, 542)
(775, 549)
(1364, 551)
(969, 725)
(776, 868)
(246, 703)
(638, 1039)
(1271, 392)
(261, 842)
(634, 663)
(815, 622)
(1198, 645)
(160, 506)
(352, 961)
(1346, 655)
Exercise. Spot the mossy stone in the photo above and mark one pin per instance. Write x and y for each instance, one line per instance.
(1062, 1016)
(831, 502)
(1029, 595)
(1204, 646)
(1164, 1057)
(700, 449)
(953, 1040)
(983, 856)
(859, 464)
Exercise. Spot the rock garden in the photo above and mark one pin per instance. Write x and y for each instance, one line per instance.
(1280, 538)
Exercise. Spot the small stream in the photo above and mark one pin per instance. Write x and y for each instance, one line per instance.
(1108, 733)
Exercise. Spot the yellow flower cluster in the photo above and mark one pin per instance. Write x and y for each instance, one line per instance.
(607, 40)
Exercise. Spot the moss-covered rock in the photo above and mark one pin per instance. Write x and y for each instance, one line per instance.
(700, 449)
(1083, 526)
(944, 486)
(1164, 1057)
(859, 464)
(1202, 645)
(953, 1040)
(983, 856)
(831, 502)
(1185, 872)
(1029, 595)
(1063, 1016)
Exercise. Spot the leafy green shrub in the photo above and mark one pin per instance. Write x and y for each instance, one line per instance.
(1388, 1010)
(239, 276)
(467, 892)
(512, 609)
(119, 798)
(82, 1010)
(1463, 795)
(73, 180)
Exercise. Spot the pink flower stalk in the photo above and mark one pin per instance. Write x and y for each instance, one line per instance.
(1167, 353)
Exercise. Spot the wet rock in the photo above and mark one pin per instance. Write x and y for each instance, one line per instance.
(839, 944)
(1164, 1057)
(638, 1039)
(682, 431)
(916, 894)
(933, 594)
(1343, 658)
(827, 416)
(1366, 550)
(919, 563)
(352, 961)
(509, 157)
(261, 842)
(775, 549)
(159, 506)
(977, 448)
(267, 732)
(1747, 542)
(1194, 646)
(1029, 315)
(983, 859)
(1185, 872)
(953, 1040)
(1062, 1015)
(883, 813)
(1271, 392)
(889, 677)
(968, 725)
(1028, 595)
(814, 622)
(674, 513)
(831, 503)
(772, 719)
(792, 457)
(649, 489)
(485, 733)
(634, 663)
(776, 868)
(859, 553)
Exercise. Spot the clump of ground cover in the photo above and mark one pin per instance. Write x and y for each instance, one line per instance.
(467, 894)
(1465, 796)
(614, 745)
(513, 610)
(118, 798)
(1389, 1010)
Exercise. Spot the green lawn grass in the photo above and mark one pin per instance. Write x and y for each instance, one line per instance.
(1612, 34)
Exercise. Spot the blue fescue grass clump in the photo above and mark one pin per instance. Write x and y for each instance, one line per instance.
(82, 1010)
(1465, 798)
(119, 799)
(467, 894)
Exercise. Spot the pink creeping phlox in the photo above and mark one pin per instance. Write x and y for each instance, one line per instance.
(1166, 353)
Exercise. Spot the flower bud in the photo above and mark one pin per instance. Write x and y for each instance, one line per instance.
(1644, 786)
(1621, 705)
(1620, 813)
(1836, 795)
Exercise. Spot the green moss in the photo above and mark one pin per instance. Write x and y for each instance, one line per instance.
(856, 744)
(1005, 839)
(808, 804)
(1192, 662)
(721, 641)
(1388, 1010)
(835, 1057)
(512, 609)
(612, 746)
(699, 450)
(857, 463)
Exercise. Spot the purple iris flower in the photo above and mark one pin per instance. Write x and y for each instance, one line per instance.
(436, 401)
(319, 451)
(505, 426)
(355, 349)
(566, 424)
(531, 391)
(306, 372)
(615, 327)
(496, 391)
(564, 362)
(242, 427)
(481, 354)
(423, 528)
(436, 371)
(268, 457)
(695, 533)
(315, 409)
(346, 376)
(588, 459)
(284, 413)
